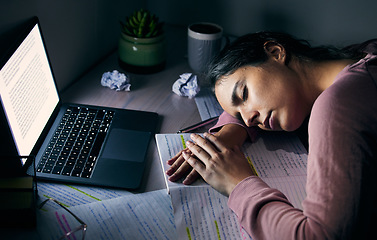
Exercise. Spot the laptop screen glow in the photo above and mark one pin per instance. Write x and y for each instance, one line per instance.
(28, 92)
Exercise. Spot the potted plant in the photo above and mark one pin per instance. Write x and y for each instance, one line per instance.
(142, 43)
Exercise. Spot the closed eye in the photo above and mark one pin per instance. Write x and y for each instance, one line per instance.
(239, 93)
(245, 94)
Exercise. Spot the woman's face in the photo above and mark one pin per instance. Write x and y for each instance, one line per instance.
(268, 96)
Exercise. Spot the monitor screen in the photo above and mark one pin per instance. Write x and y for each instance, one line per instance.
(27, 91)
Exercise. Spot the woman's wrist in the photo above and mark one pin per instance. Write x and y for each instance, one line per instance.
(232, 134)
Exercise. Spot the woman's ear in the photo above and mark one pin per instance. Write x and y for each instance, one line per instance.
(275, 51)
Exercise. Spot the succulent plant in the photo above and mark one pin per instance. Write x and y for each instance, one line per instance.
(142, 24)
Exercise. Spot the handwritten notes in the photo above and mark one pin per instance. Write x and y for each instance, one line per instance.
(202, 213)
(280, 160)
(73, 195)
(168, 146)
(135, 216)
(207, 104)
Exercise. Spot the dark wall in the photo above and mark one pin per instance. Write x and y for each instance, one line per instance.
(335, 22)
(78, 34)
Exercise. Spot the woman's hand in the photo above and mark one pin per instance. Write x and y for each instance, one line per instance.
(220, 166)
(230, 135)
(179, 168)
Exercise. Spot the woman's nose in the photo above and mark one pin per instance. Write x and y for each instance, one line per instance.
(250, 119)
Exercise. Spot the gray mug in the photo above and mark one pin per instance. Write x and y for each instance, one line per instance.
(204, 42)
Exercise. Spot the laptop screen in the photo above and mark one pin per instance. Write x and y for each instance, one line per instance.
(27, 91)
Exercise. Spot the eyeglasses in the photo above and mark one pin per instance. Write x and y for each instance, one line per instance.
(70, 234)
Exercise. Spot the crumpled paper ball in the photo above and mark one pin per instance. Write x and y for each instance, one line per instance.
(186, 85)
(116, 80)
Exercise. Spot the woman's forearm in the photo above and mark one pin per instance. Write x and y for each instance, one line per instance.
(232, 134)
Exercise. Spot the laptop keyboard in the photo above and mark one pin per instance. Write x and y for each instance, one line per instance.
(75, 146)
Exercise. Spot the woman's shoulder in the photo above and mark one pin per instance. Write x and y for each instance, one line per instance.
(354, 88)
(348, 100)
(357, 79)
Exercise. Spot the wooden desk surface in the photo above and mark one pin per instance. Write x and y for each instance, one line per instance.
(150, 92)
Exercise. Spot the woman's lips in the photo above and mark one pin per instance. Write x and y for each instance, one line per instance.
(271, 122)
(267, 122)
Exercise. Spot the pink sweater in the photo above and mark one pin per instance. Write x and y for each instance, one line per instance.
(341, 200)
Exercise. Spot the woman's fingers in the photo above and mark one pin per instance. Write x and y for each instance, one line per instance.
(180, 168)
(191, 177)
(180, 172)
(203, 147)
(173, 159)
(175, 163)
(221, 167)
(195, 163)
(214, 140)
(209, 143)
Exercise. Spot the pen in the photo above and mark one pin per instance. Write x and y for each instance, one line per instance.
(198, 125)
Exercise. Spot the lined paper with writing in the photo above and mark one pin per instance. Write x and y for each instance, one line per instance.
(278, 158)
(207, 104)
(134, 216)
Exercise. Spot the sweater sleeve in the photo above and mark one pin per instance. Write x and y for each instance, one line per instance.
(265, 213)
(226, 118)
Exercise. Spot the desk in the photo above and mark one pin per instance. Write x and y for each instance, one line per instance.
(150, 92)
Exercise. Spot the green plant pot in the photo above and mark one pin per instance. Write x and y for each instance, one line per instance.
(142, 55)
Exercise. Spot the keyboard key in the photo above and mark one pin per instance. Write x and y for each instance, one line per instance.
(57, 170)
(86, 175)
(76, 173)
(47, 169)
(67, 170)
(76, 143)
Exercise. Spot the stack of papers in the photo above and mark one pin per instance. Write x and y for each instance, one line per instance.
(202, 213)
(134, 216)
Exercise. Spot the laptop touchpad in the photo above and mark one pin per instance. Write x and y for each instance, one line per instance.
(127, 145)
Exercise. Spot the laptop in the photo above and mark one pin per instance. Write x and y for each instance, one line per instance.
(71, 143)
